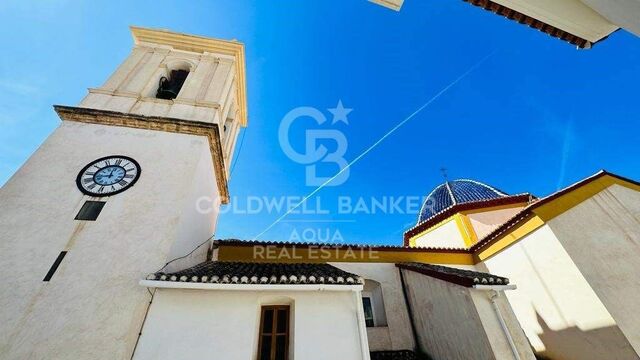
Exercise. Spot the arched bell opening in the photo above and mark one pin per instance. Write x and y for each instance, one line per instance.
(170, 84)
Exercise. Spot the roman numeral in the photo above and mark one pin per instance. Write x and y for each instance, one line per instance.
(90, 173)
(123, 183)
(92, 186)
(107, 162)
(101, 189)
(87, 180)
(128, 176)
(118, 162)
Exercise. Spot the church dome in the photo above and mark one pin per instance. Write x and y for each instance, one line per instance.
(456, 192)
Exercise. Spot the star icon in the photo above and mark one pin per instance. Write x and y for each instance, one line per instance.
(340, 113)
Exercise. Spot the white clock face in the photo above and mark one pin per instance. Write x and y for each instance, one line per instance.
(108, 176)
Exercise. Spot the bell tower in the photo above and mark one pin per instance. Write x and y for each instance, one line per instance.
(132, 178)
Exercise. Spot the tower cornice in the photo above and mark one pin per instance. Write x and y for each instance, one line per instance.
(156, 123)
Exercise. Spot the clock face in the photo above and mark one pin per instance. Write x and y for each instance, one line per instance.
(108, 176)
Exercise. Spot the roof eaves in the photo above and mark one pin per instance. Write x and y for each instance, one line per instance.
(466, 278)
(247, 273)
(533, 23)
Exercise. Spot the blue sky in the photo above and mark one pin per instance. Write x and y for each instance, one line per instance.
(535, 116)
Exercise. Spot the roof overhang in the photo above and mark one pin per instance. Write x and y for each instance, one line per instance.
(465, 278)
(568, 20)
(579, 22)
(391, 4)
(200, 44)
(248, 287)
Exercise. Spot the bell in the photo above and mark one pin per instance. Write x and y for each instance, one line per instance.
(168, 89)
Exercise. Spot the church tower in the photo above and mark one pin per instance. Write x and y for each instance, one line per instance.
(132, 178)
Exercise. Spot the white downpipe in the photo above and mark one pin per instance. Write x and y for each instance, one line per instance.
(362, 328)
(493, 294)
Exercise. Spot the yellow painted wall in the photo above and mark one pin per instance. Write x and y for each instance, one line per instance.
(314, 254)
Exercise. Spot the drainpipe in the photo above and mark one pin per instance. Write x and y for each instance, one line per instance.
(362, 329)
(493, 295)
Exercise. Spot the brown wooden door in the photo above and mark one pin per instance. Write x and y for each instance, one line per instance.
(274, 333)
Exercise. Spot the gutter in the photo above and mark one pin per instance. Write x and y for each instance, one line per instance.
(247, 287)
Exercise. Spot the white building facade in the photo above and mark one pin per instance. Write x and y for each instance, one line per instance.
(108, 257)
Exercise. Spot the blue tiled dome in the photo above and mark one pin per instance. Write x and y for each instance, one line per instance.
(456, 192)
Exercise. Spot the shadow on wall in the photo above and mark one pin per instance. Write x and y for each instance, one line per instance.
(572, 343)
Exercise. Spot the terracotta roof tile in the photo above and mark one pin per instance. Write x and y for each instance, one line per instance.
(221, 272)
(532, 23)
(466, 278)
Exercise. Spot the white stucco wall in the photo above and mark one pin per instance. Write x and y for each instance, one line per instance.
(205, 324)
(557, 307)
(446, 235)
(200, 209)
(602, 236)
(397, 334)
(93, 307)
(495, 333)
(447, 323)
(624, 13)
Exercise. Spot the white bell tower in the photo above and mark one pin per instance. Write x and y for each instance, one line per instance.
(132, 178)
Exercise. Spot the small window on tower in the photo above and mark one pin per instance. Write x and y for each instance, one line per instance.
(90, 210)
(168, 88)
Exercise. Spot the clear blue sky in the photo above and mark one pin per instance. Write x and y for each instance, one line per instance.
(536, 116)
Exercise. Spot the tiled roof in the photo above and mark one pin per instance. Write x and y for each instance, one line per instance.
(219, 272)
(456, 192)
(457, 276)
(395, 355)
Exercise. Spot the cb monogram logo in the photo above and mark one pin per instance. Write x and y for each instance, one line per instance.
(314, 151)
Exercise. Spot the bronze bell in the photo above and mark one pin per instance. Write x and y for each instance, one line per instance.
(169, 88)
